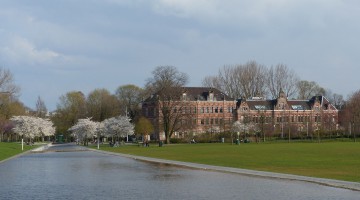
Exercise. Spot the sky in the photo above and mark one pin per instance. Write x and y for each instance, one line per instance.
(54, 47)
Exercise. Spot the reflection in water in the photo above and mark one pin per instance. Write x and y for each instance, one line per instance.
(91, 175)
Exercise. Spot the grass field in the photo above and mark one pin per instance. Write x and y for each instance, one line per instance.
(334, 160)
(9, 149)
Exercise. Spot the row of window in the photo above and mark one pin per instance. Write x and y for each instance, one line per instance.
(188, 110)
(280, 119)
(215, 109)
(206, 121)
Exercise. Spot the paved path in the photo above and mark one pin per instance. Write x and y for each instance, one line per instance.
(327, 182)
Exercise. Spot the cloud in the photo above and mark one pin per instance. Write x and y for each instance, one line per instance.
(21, 51)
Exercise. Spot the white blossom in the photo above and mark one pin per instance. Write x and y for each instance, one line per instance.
(84, 129)
(245, 127)
(118, 126)
(30, 127)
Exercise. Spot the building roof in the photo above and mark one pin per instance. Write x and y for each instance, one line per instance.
(261, 104)
(200, 94)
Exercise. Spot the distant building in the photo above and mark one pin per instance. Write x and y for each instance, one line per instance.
(208, 110)
(204, 110)
(280, 117)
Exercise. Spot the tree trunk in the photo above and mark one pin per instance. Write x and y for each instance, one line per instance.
(167, 138)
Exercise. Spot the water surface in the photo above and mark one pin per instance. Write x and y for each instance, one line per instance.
(63, 173)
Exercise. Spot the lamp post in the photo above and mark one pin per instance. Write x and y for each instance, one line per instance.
(98, 138)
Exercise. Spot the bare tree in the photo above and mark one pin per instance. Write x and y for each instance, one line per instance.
(212, 82)
(240, 81)
(280, 78)
(352, 113)
(40, 108)
(335, 99)
(7, 83)
(251, 79)
(308, 89)
(167, 84)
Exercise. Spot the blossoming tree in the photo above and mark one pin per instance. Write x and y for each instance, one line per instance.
(84, 129)
(117, 127)
(30, 127)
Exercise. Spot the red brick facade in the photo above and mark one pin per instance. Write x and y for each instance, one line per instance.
(207, 110)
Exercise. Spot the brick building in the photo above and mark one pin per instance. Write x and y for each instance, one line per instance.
(281, 116)
(203, 110)
(208, 110)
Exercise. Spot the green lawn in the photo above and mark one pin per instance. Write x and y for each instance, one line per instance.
(334, 160)
(9, 149)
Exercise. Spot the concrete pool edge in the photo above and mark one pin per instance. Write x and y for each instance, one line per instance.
(262, 174)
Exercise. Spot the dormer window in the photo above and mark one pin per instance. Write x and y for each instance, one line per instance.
(211, 96)
(184, 96)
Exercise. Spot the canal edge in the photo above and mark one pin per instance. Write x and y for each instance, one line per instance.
(25, 152)
(354, 186)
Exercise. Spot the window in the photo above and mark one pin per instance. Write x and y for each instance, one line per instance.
(221, 109)
(211, 96)
(216, 109)
(202, 121)
(184, 96)
(260, 107)
(297, 107)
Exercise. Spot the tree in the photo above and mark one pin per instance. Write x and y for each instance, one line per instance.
(84, 129)
(240, 81)
(130, 97)
(335, 99)
(30, 127)
(252, 79)
(118, 127)
(308, 89)
(245, 128)
(71, 108)
(352, 113)
(143, 126)
(7, 84)
(280, 77)
(101, 105)
(167, 83)
(8, 109)
(40, 108)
